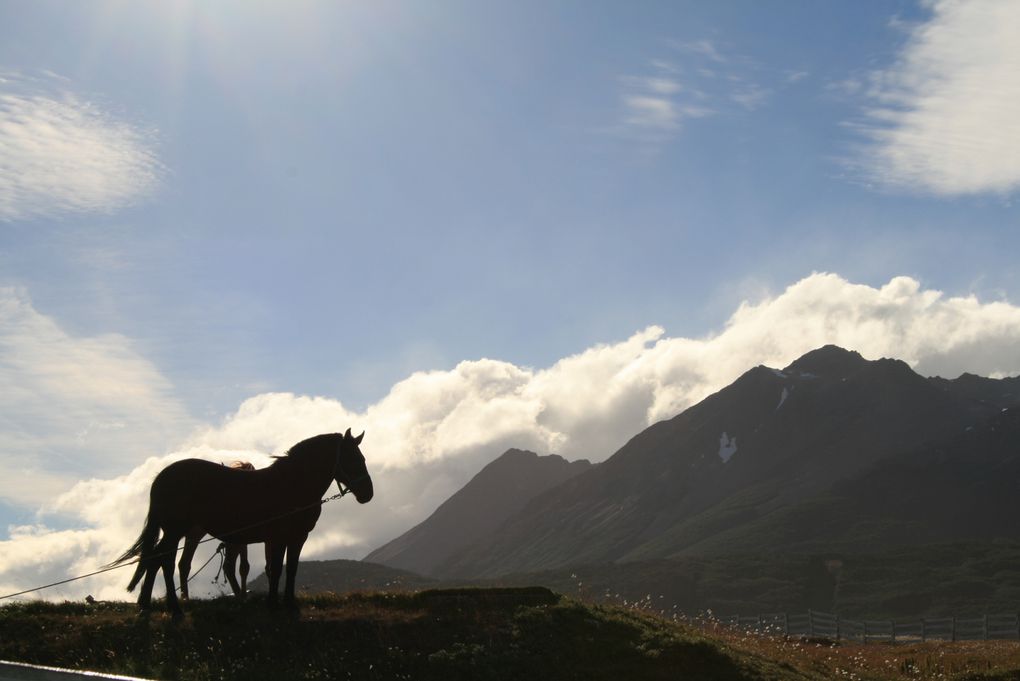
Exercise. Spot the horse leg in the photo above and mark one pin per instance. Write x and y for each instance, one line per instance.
(151, 567)
(230, 567)
(191, 541)
(245, 568)
(274, 568)
(293, 555)
(166, 550)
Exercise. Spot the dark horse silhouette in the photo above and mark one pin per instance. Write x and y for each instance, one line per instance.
(278, 505)
(231, 552)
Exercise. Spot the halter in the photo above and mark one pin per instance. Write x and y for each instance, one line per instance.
(336, 466)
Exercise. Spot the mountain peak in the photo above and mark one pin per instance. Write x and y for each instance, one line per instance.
(514, 454)
(502, 488)
(829, 360)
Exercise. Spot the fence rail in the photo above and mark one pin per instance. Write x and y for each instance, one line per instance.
(816, 624)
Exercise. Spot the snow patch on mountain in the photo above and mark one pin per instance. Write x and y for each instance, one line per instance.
(782, 398)
(727, 446)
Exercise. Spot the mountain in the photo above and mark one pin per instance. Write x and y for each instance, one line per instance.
(499, 491)
(344, 576)
(833, 452)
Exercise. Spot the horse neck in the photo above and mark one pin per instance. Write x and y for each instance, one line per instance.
(308, 475)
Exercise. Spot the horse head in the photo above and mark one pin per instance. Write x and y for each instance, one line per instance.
(350, 471)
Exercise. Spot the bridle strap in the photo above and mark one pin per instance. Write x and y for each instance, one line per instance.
(338, 466)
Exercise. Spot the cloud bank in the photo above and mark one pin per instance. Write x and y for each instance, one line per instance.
(74, 406)
(433, 430)
(61, 154)
(945, 117)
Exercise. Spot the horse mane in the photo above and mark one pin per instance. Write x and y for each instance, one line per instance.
(302, 448)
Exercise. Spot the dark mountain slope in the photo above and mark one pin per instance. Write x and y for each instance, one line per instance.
(965, 487)
(1000, 392)
(765, 445)
(497, 492)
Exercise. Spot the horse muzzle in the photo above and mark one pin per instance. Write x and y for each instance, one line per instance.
(364, 494)
(361, 489)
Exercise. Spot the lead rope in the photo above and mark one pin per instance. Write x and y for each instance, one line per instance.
(221, 551)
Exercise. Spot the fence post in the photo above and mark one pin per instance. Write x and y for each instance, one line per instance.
(837, 628)
(786, 624)
(892, 628)
(865, 632)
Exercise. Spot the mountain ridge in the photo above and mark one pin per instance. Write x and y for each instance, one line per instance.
(766, 462)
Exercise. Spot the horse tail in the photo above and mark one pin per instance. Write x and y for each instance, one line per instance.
(141, 549)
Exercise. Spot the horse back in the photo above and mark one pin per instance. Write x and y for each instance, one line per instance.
(231, 504)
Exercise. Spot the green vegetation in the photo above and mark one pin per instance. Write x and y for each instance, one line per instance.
(450, 634)
(441, 634)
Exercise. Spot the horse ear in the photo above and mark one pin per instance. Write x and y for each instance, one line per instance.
(358, 439)
(347, 435)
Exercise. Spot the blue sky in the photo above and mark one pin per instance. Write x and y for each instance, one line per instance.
(351, 190)
(231, 199)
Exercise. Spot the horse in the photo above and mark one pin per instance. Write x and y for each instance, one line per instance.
(277, 505)
(231, 552)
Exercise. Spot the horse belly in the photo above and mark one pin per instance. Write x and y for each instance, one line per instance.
(273, 526)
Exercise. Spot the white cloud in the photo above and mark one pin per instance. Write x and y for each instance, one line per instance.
(945, 118)
(656, 113)
(751, 96)
(697, 82)
(61, 154)
(433, 430)
(655, 106)
(705, 48)
(657, 85)
(70, 405)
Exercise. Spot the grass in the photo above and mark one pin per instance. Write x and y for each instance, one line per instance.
(484, 634)
(960, 661)
(441, 634)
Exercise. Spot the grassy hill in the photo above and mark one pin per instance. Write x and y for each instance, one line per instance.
(454, 634)
(440, 634)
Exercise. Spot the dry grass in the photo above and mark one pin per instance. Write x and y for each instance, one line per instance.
(941, 660)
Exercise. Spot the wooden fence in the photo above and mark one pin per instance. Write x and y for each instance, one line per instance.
(815, 624)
